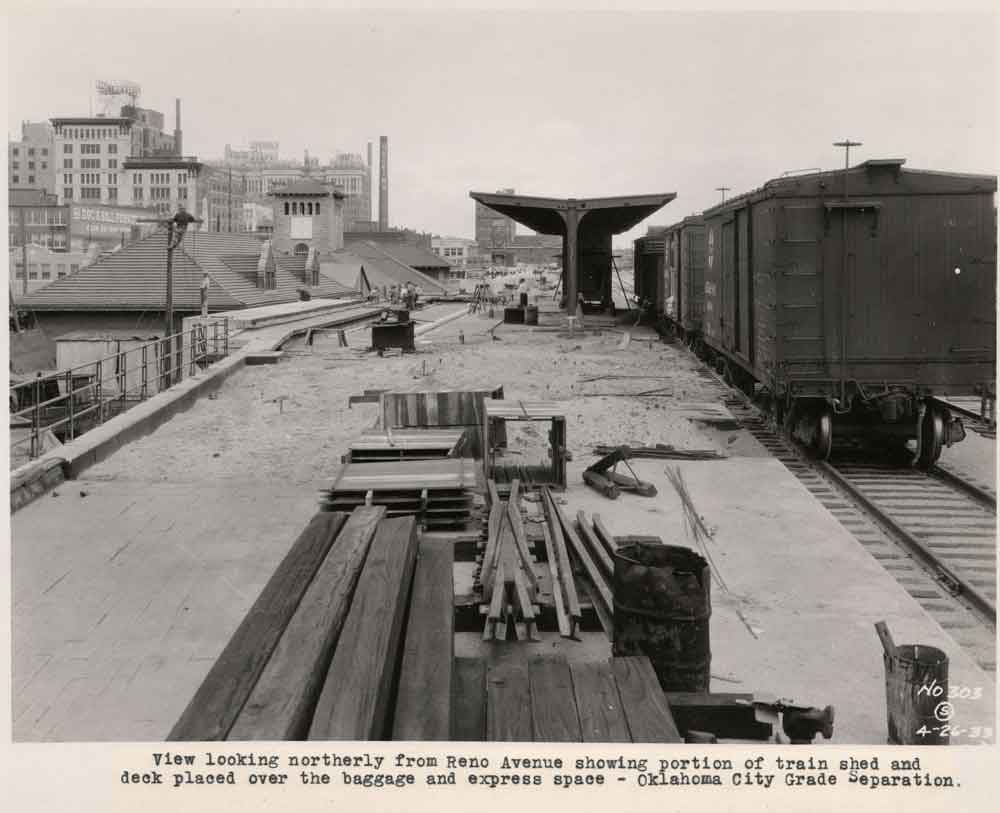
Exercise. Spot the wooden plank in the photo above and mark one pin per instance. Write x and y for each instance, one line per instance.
(212, 711)
(604, 614)
(423, 701)
(602, 590)
(565, 570)
(508, 703)
(645, 705)
(602, 718)
(554, 716)
(557, 592)
(356, 696)
(597, 550)
(521, 540)
(526, 630)
(468, 700)
(730, 715)
(281, 704)
(604, 535)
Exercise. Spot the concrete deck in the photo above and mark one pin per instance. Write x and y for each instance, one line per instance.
(128, 584)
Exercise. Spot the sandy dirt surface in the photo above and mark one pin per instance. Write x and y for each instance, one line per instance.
(291, 421)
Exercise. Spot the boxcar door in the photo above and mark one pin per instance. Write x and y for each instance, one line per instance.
(744, 286)
(729, 317)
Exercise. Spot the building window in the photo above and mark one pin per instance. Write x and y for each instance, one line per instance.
(112, 163)
(67, 148)
(67, 163)
(74, 267)
(90, 149)
(20, 272)
(182, 193)
(31, 150)
(45, 150)
(90, 193)
(67, 192)
(15, 151)
(15, 164)
(15, 179)
(46, 271)
(269, 279)
(317, 208)
(286, 207)
(31, 179)
(137, 193)
(112, 193)
(301, 250)
(113, 149)
(90, 163)
(310, 208)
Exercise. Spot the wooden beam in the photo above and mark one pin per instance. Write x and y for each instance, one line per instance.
(220, 698)
(281, 704)
(597, 550)
(557, 591)
(565, 569)
(423, 701)
(468, 700)
(646, 710)
(604, 535)
(554, 716)
(358, 691)
(602, 591)
(521, 540)
(602, 718)
(508, 704)
(730, 715)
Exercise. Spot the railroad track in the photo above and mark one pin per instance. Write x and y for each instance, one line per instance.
(934, 532)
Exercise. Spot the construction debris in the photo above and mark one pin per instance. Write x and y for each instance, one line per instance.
(611, 483)
(662, 451)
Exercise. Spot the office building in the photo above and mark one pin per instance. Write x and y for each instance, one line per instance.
(30, 162)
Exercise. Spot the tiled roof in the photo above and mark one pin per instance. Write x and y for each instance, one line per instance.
(135, 278)
(383, 268)
(414, 256)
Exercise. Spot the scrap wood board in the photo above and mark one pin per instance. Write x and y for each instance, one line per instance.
(548, 699)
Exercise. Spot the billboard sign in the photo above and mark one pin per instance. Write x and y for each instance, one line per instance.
(96, 221)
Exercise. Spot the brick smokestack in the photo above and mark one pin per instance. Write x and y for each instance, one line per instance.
(368, 214)
(383, 183)
(178, 135)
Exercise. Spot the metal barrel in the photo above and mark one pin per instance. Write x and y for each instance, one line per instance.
(531, 315)
(916, 694)
(663, 604)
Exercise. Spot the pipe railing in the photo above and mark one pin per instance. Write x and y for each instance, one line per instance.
(78, 398)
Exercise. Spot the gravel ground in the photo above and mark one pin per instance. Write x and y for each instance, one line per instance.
(291, 421)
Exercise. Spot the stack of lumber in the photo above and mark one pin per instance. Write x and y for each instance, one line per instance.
(547, 699)
(507, 573)
(439, 492)
(662, 451)
(337, 640)
(453, 409)
(404, 444)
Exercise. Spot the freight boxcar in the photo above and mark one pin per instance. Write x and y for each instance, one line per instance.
(647, 268)
(855, 301)
(684, 277)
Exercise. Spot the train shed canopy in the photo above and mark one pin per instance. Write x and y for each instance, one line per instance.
(586, 226)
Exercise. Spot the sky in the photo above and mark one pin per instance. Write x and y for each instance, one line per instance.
(557, 104)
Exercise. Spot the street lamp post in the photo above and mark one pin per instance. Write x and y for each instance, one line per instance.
(846, 144)
(176, 227)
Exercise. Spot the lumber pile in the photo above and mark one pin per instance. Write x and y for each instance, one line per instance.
(662, 451)
(338, 646)
(507, 576)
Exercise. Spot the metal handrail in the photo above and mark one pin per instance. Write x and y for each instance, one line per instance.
(124, 378)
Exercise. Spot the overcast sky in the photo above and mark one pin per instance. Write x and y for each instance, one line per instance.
(567, 104)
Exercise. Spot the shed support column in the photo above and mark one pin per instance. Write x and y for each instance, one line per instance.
(571, 259)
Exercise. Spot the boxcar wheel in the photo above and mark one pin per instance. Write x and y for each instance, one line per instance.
(823, 438)
(931, 438)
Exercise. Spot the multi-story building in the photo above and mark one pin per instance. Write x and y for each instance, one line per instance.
(456, 250)
(89, 154)
(212, 194)
(35, 217)
(349, 173)
(44, 266)
(148, 136)
(494, 231)
(308, 217)
(30, 161)
(265, 173)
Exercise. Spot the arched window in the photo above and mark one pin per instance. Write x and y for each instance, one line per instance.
(301, 250)
(310, 208)
(317, 212)
(286, 207)
(295, 208)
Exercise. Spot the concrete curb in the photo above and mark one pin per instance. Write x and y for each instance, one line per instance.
(33, 479)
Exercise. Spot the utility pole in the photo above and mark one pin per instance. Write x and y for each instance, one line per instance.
(229, 201)
(723, 190)
(176, 227)
(846, 144)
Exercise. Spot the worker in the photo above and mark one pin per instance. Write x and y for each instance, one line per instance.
(417, 293)
(522, 290)
(393, 294)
